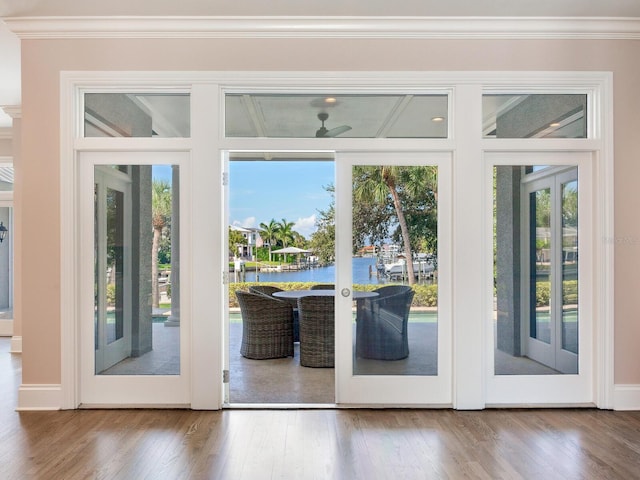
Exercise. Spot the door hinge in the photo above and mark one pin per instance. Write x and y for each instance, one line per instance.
(225, 376)
(225, 278)
(225, 179)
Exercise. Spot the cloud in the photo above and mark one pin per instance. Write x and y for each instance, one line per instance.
(306, 226)
(248, 222)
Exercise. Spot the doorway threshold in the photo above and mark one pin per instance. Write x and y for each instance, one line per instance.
(280, 406)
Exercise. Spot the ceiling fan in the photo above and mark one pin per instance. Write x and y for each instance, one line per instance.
(325, 132)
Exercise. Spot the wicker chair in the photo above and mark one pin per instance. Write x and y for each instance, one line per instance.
(267, 326)
(382, 325)
(264, 289)
(323, 286)
(269, 290)
(317, 331)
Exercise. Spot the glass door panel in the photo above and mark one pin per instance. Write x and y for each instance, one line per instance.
(540, 248)
(542, 265)
(395, 218)
(535, 269)
(570, 266)
(392, 331)
(113, 339)
(132, 230)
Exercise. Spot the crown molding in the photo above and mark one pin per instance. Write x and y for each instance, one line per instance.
(327, 27)
(14, 111)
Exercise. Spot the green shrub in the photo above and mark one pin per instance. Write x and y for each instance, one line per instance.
(111, 294)
(543, 292)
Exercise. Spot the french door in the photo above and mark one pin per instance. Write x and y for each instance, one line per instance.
(393, 209)
(112, 322)
(133, 332)
(551, 246)
(542, 321)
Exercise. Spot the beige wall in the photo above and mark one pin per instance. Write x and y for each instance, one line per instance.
(5, 147)
(43, 60)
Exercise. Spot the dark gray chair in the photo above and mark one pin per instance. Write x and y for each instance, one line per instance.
(269, 290)
(391, 290)
(323, 286)
(317, 331)
(382, 325)
(267, 326)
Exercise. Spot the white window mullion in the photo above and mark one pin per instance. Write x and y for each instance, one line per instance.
(468, 266)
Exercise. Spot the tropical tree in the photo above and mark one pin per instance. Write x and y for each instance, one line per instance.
(397, 185)
(235, 238)
(299, 240)
(269, 232)
(323, 240)
(285, 233)
(160, 218)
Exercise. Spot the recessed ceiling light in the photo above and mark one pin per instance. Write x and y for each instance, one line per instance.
(437, 119)
(330, 100)
(554, 124)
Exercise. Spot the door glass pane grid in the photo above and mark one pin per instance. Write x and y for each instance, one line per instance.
(395, 228)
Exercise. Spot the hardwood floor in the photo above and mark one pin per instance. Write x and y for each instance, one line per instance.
(312, 444)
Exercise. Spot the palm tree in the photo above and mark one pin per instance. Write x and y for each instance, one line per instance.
(376, 183)
(160, 218)
(269, 232)
(285, 232)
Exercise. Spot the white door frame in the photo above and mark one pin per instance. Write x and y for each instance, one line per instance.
(117, 391)
(562, 389)
(396, 390)
(207, 141)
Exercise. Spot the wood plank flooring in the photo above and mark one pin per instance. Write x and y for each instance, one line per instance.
(312, 444)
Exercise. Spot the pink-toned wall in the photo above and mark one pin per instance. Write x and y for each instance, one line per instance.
(42, 61)
(6, 148)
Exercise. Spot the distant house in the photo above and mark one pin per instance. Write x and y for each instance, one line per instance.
(368, 251)
(254, 240)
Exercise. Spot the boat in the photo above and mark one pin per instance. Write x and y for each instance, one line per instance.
(399, 268)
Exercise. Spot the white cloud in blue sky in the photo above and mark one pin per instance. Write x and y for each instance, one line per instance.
(306, 226)
(290, 190)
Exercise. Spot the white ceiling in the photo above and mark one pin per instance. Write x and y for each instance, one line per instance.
(10, 47)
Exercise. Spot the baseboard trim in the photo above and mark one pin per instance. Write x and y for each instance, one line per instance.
(6, 327)
(16, 344)
(39, 397)
(626, 397)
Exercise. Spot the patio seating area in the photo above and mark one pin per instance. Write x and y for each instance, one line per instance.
(276, 371)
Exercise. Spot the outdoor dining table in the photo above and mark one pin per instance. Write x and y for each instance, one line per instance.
(295, 294)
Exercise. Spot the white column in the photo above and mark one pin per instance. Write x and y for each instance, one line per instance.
(468, 247)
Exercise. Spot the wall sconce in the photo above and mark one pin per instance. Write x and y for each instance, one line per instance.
(3, 231)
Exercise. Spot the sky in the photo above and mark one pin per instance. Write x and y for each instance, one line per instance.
(263, 190)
